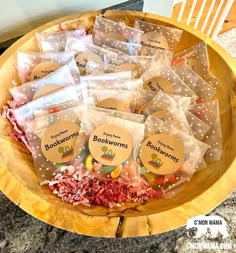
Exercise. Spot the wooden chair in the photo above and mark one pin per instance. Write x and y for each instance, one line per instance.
(205, 15)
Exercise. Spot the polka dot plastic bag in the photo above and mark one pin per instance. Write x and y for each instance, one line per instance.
(137, 64)
(143, 99)
(168, 156)
(26, 112)
(101, 39)
(85, 51)
(167, 109)
(196, 58)
(117, 31)
(208, 112)
(160, 76)
(56, 41)
(55, 141)
(120, 100)
(112, 147)
(35, 65)
(200, 87)
(158, 37)
(27, 92)
(131, 49)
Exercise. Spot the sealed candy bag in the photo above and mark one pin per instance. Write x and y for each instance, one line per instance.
(35, 65)
(208, 112)
(197, 59)
(168, 156)
(158, 37)
(143, 99)
(55, 141)
(26, 112)
(101, 39)
(166, 108)
(113, 147)
(27, 92)
(199, 128)
(201, 88)
(56, 41)
(120, 100)
(160, 76)
(117, 31)
(85, 51)
(137, 64)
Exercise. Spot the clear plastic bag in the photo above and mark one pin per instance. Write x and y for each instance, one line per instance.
(201, 88)
(35, 65)
(32, 90)
(86, 51)
(208, 112)
(197, 59)
(55, 141)
(101, 39)
(133, 84)
(117, 31)
(169, 156)
(161, 76)
(113, 147)
(167, 109)
(131, 49)
(56, 41)
(143, 99)
(199, 128)
(158, 37)
(26, 112)
(137, 64)
(120, 100)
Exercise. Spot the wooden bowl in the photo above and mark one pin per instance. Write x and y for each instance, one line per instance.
(207, 189)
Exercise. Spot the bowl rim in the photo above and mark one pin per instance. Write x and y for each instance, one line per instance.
(113, 226)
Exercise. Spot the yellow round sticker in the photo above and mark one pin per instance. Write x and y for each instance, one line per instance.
(62, 141)
(110, 144)
(154, 40)
(162, 154)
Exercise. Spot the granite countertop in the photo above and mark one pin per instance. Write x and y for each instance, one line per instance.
(20, 232)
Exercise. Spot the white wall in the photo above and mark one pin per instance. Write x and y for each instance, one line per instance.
(20, 16)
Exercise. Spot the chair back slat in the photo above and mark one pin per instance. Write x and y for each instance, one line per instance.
(222, 18)
(200, 14)
(210, 14)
